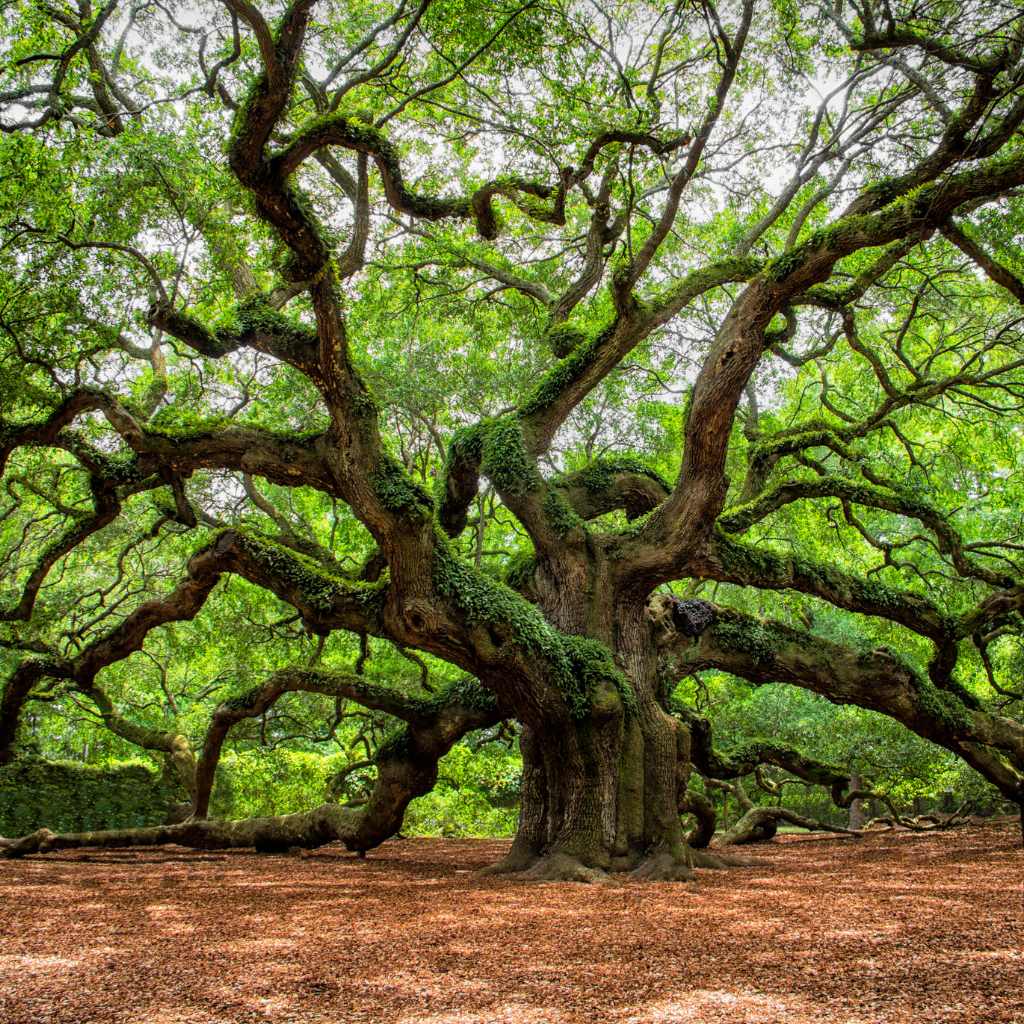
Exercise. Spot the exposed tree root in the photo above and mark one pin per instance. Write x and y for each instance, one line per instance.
(561, 867)
(664, 867)
(516, 862)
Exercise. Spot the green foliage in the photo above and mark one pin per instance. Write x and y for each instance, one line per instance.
(458, 813)
(67, 796)
(477, 794)
(260, 782)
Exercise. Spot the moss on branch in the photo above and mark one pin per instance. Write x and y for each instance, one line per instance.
(761, 567)
(397, 490)
(566, 372)
(580, 668)
(504, 458)
(312, 582)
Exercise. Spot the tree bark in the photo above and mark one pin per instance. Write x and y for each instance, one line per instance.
(600, 792)
(760, 824)
(699, 838)
(856, 818)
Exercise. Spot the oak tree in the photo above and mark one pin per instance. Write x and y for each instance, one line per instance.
(580, 346)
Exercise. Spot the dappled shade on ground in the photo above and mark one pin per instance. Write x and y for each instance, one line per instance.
(895, 927)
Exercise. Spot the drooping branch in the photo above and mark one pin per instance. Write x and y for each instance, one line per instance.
(406, 768)
(16, 693)
(258, 699)
(174, 745)
(324, 598)
(759, 824)
(744, 760)
(764, 651)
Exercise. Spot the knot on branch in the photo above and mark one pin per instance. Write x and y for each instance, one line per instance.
(692, 617)
(674, 615)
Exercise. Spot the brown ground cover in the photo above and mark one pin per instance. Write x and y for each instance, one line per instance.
(921, 928)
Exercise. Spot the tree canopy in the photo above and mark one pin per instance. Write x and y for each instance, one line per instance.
(512, 367)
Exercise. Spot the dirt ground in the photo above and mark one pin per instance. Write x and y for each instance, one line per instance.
(889, 928)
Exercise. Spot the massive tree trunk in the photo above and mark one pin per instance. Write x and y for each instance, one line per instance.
(599, 795)
(600, 791)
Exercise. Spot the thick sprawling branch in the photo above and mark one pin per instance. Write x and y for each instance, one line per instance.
(758, 824)
(765, 652)
(16, 693)
(260, 327)
(360, 136)
(612, 483)
(259, 699)
(590, 360)
(406, 768)
(287, 458)
(41, 433)
(732, 561)
(745, 759)
(326, 601)
(869, 495)
(998, 272)
(593, 356)
(175, 746)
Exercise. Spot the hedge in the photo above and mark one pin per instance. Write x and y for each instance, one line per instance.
(68, 796)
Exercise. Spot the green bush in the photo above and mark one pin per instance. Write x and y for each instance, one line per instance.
(475, 795)
(67, 796)
(260, 782)
(456, 813)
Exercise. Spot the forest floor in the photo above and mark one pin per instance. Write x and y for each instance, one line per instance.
(893, 927)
